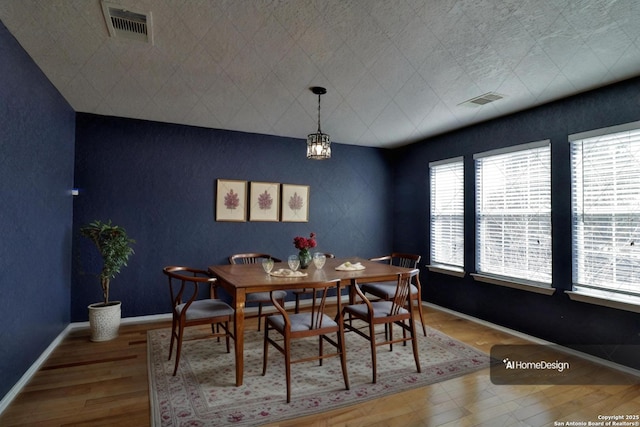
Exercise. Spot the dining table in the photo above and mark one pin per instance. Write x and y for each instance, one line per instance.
(238, 280)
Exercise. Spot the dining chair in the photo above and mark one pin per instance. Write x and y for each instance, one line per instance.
(313, 323)
(300, 292)
(188, 310)
(259, 298)
(388, 313)
(386, 290)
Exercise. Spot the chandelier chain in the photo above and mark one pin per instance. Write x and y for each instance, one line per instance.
(319, 131)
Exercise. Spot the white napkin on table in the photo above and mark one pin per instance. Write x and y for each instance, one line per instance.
(347, 266)
(285, 272)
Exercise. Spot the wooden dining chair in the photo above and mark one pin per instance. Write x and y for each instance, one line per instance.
(313, 323)
(386, 290)
(301, 292)
(259, 298)
(390, 312)
(188, 310)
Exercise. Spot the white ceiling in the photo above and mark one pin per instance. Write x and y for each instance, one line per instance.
(395, 71)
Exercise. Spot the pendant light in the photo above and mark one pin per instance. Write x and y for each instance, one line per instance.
(318, 144)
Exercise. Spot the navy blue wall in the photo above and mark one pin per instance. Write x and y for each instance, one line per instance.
(555, 318)
(36, 176)
(158, 182)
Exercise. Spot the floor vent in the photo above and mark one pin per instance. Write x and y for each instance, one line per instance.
(126, 24)
(482, 99)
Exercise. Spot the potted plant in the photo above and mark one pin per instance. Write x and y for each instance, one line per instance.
(115, 249)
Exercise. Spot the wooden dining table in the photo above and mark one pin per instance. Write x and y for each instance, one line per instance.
(238, 280)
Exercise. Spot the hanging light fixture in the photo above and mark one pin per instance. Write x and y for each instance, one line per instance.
(318, 144)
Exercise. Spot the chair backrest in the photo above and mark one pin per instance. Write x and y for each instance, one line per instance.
(319, 292)
(250, 258)
(403, 291)
(183, 285)
(400, 259)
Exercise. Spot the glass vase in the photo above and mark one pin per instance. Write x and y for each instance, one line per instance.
(305, 258)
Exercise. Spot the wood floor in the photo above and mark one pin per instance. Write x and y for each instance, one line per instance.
(105, 384)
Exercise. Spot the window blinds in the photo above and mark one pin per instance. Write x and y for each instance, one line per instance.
(513, 212)
(447, 212)
(606, 212)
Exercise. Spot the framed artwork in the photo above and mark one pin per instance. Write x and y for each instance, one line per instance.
(295, 203)
(264, 202)
(231, 200)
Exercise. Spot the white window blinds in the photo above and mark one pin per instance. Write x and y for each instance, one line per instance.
(447, 212)
(513, 213)
(606, 212)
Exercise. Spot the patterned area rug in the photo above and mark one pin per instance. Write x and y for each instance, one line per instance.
(203, 392)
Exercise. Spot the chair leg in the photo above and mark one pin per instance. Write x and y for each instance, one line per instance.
(265, 349)
(178, 348)
(287, 364)
(259, 315)
(343, 352)
(424, 328)
(414, 343)
(374, 362)
(226, 336)
(215, 329)
(173, 337)
(297, 309)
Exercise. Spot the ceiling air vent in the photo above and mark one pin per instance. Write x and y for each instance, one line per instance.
(482, 99)
(126, 24)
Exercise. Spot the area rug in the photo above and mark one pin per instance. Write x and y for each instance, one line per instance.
(203, 392)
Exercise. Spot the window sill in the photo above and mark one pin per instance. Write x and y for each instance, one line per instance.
(451, 271)
(513, 284)
(606, 302)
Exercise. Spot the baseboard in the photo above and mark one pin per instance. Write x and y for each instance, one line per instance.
(15, 390)
(8, 398)
(17, 387)
(536, 340)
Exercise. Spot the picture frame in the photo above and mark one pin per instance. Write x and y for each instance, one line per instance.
(295, 203)
(264, 201)
(231, 200)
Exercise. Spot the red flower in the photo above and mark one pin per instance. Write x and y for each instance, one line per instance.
(302, 243)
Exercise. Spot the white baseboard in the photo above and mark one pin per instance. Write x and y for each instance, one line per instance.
(8, 398)
(540, 341)
(11, 394)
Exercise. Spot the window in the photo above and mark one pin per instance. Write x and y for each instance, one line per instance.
(447, 212)
(513, 213)
(606, 212)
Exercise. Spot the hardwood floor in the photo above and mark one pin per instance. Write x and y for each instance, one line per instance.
(105, 384)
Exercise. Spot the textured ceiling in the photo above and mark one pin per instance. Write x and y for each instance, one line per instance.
(395, 71)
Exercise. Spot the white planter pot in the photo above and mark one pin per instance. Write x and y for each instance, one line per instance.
(104, 321)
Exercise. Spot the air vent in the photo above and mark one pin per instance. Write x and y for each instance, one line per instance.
(482, 99)
(127, 24)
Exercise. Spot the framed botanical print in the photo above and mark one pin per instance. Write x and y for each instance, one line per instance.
(264, 201)
(231, 200)
(295, 203)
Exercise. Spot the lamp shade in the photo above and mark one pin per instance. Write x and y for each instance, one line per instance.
(318, 144)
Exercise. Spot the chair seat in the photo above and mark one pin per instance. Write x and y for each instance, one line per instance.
(265, 296)
(380, 309)
(299, 322)
(385, 290)
(206, 308)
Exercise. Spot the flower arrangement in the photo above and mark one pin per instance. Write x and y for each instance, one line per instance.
(303, 243)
